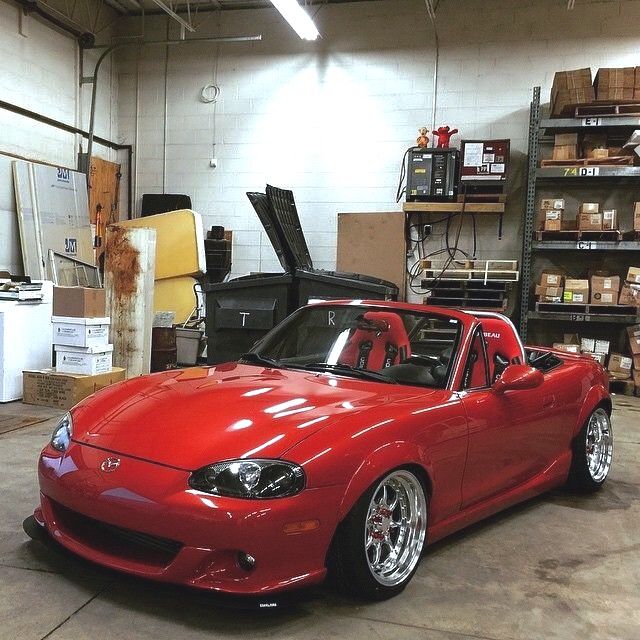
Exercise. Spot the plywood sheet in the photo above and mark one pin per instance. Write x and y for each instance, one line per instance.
(373, 243)
(179, 242)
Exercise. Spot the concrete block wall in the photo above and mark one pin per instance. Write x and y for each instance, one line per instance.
(331, 119)
(39, 71)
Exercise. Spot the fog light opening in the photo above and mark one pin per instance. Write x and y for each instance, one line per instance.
(246, 562)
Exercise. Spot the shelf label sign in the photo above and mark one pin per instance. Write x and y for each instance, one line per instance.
(591, 122)
(585, 244)
(582, 172)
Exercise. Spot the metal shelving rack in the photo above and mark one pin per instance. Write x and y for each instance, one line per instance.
(591, 176)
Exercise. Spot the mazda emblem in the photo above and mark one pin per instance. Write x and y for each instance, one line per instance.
(110, 464)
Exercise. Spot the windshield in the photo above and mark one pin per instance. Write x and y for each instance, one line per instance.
(383, 344)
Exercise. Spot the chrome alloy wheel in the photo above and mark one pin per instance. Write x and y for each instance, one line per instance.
(395, 528)
(599, 445)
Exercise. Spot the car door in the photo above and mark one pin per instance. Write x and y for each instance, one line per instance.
(512, 435)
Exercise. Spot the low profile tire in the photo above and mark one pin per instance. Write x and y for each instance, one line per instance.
(377, 547)
(592, 453)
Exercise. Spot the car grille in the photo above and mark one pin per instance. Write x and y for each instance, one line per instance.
(117, 541)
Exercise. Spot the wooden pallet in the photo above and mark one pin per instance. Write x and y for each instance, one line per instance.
(624, 387)
(577, 236)
(480, 270)
(467, 294)
(616, 161)
(571, 308)
(608, 108)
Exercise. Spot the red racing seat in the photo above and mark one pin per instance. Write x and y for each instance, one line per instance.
(379, 341)
(503, 346)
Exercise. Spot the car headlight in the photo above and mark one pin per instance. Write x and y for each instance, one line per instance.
(249, 479)
(61, 438)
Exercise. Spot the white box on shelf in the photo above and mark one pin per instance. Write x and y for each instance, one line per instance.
(80, 332)
(87, 361)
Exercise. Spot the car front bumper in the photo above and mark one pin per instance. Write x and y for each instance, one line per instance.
(142, 518)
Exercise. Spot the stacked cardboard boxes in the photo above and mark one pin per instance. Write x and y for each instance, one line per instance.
(552, 213)
(589, 217)
(615, 84)
(551, 287)
(570, 88)
(565, 146)
(596, 348)
(83, 352)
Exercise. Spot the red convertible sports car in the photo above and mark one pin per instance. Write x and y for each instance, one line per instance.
(350, 436)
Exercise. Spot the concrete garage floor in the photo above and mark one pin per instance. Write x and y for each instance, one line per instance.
(560, 566)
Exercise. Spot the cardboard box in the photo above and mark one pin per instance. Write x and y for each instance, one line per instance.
(556, 203)
(610, 219)
(605, 290)
(591, 141)
(629, 295)
(549, 294)
(84, 360)
(590, 207)
(48, 388)
(624, 77)
(565, 152)
(636, 362)
(600, 358)
(636, 378)
(633, 275)
(565, 139)
(80, 332)
(571, 338)
(79, 302)
(573, 79)
(552, 220)
(567, 348)
(620, 366)
(595, 345)
(590, 221)
(599, 153)
(563, 100)
(551, 279)
(615, 93)
(636, 216)
(576, 291)
(633, 333)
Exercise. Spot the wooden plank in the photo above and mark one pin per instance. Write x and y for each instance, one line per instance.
(104, 191)
(129, 276)
(588, 162)
(454, 207)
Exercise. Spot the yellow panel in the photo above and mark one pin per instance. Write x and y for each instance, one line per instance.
(177, 295)
(179, 242)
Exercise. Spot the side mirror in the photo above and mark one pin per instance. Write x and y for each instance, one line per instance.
(518, 376)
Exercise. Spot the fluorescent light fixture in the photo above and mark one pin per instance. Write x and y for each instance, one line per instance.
(298, 18)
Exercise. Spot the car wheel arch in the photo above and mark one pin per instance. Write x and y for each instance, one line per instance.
(596, 397)
(380, 463)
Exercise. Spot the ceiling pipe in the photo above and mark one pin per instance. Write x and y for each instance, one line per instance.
(170, 12)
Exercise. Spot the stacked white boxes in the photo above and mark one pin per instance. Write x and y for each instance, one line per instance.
(81, 342)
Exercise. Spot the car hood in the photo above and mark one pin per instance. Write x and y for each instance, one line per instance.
(193, 417)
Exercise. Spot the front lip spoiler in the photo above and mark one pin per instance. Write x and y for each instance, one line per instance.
(37, 531)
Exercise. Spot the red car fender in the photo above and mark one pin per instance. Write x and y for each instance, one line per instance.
(595, 396)
(377, 464)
